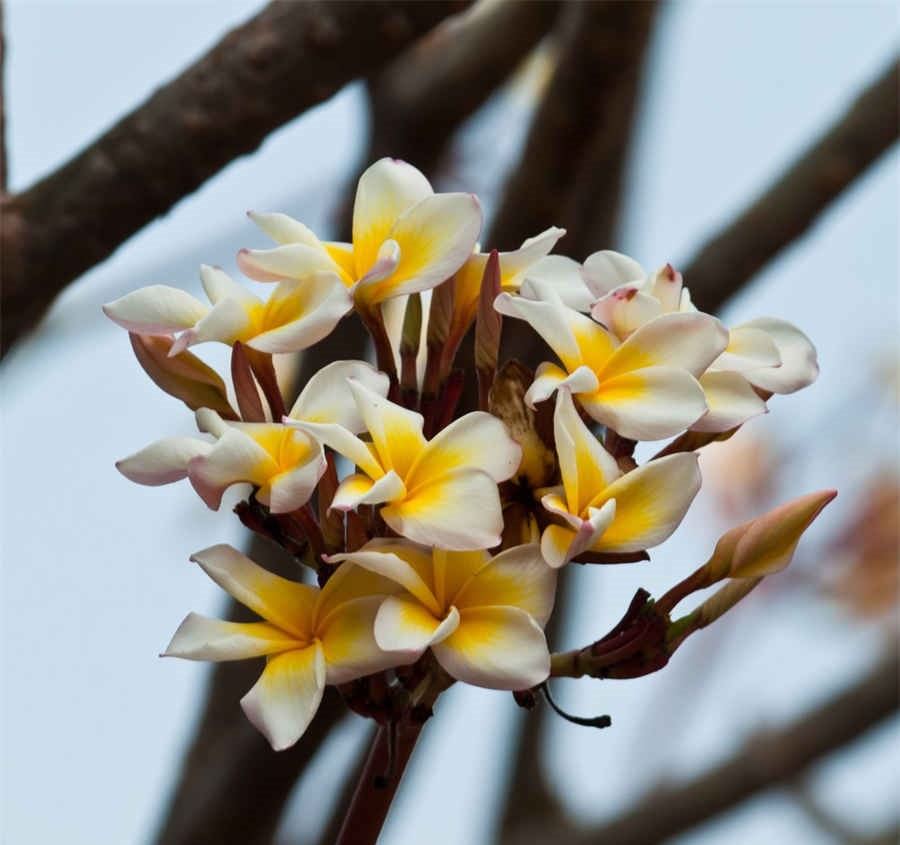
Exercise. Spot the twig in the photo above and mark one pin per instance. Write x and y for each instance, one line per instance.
(290, 57)
(765, 760)
(794, 201)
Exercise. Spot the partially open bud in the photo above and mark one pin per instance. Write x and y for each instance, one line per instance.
(183, 376)
(766, 544)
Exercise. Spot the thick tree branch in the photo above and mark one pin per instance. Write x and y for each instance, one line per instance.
(291, 56)
(420, 100)
(785, 210)
(767, 759)
(581, 123)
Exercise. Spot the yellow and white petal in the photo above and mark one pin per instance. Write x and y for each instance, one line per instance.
(157, 309)
(397, 561)
(284, 603)
(284, 700)
(549, 318)
(550, 377)
(564, 275)
(650, 502)
(219, 285)
(283, 229)
(688, 341)
(799, 362)
(731, 400)
(162, 462)
(327, 398)
(290, 490)
(560, 543)
(517, 577)
(451, 570)
(403, 625)
(435, 238)
(386, 261)
(356, 490)
(385, 191)
(555, 503)
(201, 638)
(227, 321)
(585, 466)
(460, 511)
(343, 442)
(235, 457)
(606, 270)
(348, 641)
(291, 262)
(625, 309)
(300, 314)
(648, 404)
(748, 349)
(396, 431)
(496, 647)
(476, 440)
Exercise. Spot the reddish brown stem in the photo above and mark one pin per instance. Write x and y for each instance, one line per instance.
(377, 786)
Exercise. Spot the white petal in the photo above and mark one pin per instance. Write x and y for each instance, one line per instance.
(286, 697)
(460, 511)
(226, 322)
(625, 309)
(157, 309)
(356, 490)
(435, 237)
(309, 309)
(219, 285)
(385, 190)
(343, 442)
(564, 275)
(549, 377)
(731, 400)
(606, 270)
(406, 626)
(548, 317)
(648, 404)
(799, 363)
(666, 285)
(650, 501)
(284, 229)
(748, 348)
(386, 260)
(517, 577)
(476, 440)
(496, 647)
(348, 641)
(162, 462)
(286, 604)
(688, 341)
(201, 638)
(210, 422)
(235, 457)
(327, 398)
(291, 262)
(290, 490)
(559, 543)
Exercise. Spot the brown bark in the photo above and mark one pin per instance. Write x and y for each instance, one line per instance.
(767, 759)
(786, 209)
(290, 57)
(580, 131)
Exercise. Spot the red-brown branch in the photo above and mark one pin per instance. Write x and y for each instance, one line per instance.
(290, 57)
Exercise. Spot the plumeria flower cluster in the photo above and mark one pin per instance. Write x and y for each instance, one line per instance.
(430, 528)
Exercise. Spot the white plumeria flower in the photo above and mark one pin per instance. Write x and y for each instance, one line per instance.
(441, 492)
(406, 238)
(294, 317)
(645, 388)
(309, 637)
(604, 510)
(482, 617)
(768, 354)
(284, 463)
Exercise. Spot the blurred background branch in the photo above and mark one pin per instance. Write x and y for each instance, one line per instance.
(291, 56)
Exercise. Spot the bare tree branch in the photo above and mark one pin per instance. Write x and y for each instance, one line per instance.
(420, 100)
(765, 760)
(785, 210)
(591, 93)
(291, 56)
